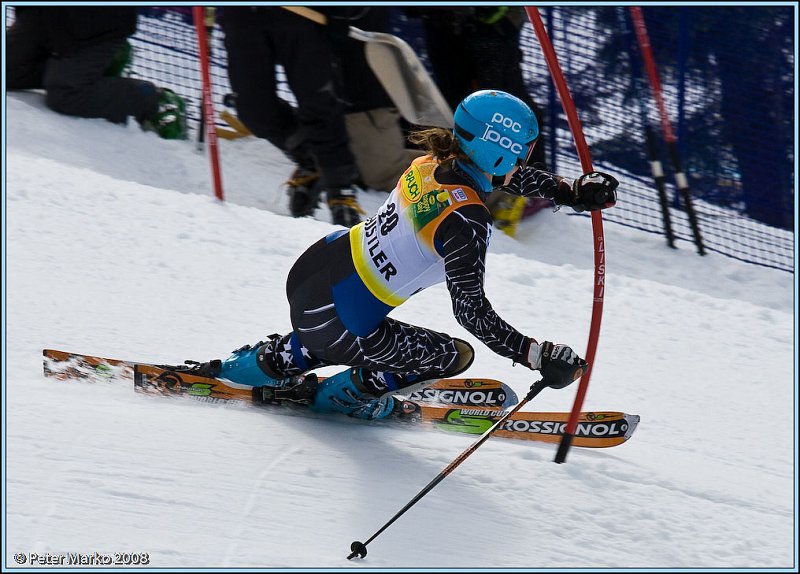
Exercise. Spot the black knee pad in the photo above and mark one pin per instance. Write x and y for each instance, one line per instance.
(466, 355)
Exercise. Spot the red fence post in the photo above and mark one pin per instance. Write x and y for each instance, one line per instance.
(208, 102)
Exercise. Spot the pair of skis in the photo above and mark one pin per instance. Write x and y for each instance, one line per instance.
(460, 405)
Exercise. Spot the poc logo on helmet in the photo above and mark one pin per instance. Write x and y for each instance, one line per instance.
(508, 123)
(491, 135)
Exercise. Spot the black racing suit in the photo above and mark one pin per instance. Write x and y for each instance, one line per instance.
(337, 321)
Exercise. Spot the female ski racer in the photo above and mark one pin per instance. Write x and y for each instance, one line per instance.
(432, 228)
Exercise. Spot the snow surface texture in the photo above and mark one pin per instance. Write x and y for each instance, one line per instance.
(116, 246)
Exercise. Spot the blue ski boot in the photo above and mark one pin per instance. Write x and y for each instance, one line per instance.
(368, 395)
(246, 366)
(345, 393)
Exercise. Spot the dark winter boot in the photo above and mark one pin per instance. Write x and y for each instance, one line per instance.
(344, 206)
(169, 120)
(304, 191)
(338, 183)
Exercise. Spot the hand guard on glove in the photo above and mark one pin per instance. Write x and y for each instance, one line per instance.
(559, 364)
(592, 191)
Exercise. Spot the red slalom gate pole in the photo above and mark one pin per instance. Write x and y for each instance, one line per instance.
(209, 118)
(597, 227)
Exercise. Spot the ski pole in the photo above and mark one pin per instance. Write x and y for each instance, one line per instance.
(360, 548)
(682, 182)
(656, 169)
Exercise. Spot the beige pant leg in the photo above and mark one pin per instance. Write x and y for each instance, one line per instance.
(378, 145)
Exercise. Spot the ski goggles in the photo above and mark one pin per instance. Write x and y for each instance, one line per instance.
(526, 161)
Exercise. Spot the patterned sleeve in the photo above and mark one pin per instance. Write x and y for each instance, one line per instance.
(533, 182)
(465, 237)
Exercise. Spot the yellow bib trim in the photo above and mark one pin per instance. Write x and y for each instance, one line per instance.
(367, 273)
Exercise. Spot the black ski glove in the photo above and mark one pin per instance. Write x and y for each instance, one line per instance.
(592, 191)
(559, 364)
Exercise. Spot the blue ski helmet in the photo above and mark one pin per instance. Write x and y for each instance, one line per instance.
(495, 130)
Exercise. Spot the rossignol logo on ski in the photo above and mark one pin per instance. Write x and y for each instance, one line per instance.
(478, 420)
(595, 429)
(465, 397)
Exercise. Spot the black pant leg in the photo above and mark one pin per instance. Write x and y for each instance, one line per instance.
(304, 50)
(76, 86)
(27, 51)
(251, 72)
(450, 61)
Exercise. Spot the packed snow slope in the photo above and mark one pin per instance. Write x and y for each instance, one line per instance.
(115, 246)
